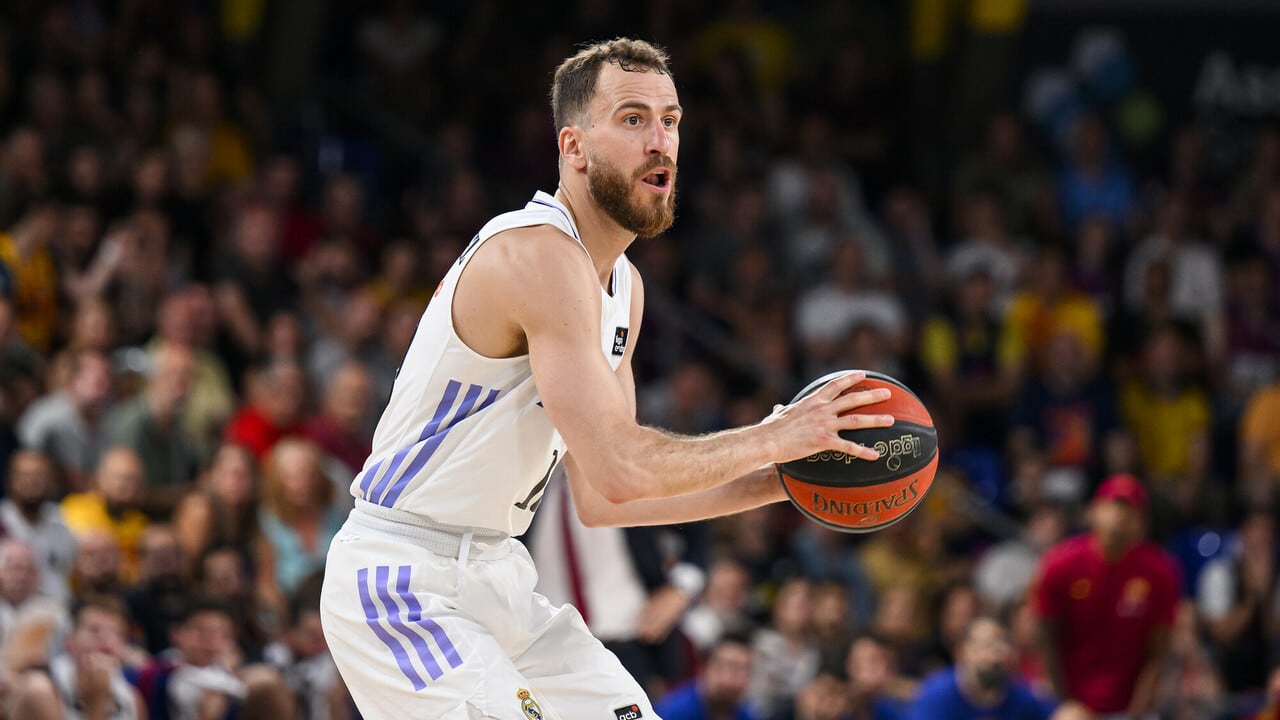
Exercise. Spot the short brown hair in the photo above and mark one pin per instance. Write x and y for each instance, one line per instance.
(575, 79)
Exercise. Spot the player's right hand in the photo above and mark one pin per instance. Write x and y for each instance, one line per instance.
(813, 424)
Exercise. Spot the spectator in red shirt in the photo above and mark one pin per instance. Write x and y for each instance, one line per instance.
(341, 427)
(277, 395)
(1106, 602)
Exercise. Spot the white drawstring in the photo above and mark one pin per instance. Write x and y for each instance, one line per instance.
(463, 550)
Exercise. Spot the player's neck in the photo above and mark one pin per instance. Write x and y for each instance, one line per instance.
(604, 238)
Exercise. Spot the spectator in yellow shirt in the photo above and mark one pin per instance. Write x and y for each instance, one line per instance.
(112, 505)
(25, 251)
(1169, 420)
(1260, 444)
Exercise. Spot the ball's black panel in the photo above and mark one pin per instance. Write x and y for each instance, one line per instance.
(905, 448)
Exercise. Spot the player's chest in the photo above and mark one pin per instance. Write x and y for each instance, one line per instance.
(1101, 596)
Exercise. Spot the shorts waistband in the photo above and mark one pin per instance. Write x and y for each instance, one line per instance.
(437, 537)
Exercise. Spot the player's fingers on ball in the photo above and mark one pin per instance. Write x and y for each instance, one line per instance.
(852, 400)
(837, 387)
(861, 451)
(860, 421)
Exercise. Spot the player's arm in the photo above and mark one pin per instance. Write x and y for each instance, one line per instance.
(756, 488)
(553, 297)
(1144, 690)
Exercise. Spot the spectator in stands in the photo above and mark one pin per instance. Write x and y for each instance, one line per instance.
(720, 690)
(1252, 353)
(224, 572)
(223, 508)
(1238, 596)
(28, 514)
(253, 284)
(1190, 685)
(155, 600)
(202, 677)
(1196, 287)
(1067, 412)
(87, 679)
(150, 425)
(980, 684)
(1260, 445)
(987, 245)
(974, 365)
(832, 308)
(722, 608)
(65, 425)
(1106, 601)
(308, 669)
(1048, 305)
(341, 427)
(875, 690)
(277, 396)
(1006, 167)
(112, 505)
(98, 565)
(785, 655)
(1169, 416)
(1006, 570)
(24, 251)
(1093, 180)
(297, 518)
(186, 319)
(19, 581)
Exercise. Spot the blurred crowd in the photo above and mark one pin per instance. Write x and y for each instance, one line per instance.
(220, 222)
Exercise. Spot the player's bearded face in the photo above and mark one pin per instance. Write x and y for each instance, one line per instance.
(615, 192)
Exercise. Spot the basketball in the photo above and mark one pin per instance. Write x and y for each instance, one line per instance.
(857, 496)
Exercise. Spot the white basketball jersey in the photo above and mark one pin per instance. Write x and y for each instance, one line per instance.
(464, 439)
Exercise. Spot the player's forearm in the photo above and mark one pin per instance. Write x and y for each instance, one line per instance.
(656, 464)
(757, 488)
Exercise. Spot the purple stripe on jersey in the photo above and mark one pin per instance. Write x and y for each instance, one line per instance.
(393, 619)
(366, 477)
(432, 444)
(415, 616)
(442, 410)
(560, 210)
(371, 619)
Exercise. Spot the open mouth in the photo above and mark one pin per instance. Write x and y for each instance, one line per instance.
(659, 178)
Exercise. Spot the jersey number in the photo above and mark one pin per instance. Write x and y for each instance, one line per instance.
(532, 502)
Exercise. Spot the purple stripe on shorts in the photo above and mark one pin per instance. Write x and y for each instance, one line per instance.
(442, 410)
(415, 616)
(371, 619)
(393, 619)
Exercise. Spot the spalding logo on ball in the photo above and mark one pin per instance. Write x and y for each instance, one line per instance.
(853, 495)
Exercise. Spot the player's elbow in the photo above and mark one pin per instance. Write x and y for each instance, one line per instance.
(622, 482)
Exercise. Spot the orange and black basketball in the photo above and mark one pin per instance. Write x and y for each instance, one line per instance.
(857, 496)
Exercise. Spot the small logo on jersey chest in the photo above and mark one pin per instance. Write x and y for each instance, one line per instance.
(630, 712)
(620, 340)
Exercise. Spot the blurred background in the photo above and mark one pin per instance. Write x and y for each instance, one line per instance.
(1057, 220)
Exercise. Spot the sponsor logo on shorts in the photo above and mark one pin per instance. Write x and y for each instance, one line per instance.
(528, 706)
(630, 712)
(620, 340)
(828, 506)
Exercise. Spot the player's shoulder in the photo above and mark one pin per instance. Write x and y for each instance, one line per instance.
(1067, 552)
(1156, 559)
(533, 252)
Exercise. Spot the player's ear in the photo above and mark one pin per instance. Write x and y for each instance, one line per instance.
(573, 150)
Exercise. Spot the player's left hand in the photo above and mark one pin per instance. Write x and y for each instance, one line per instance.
(665, 608)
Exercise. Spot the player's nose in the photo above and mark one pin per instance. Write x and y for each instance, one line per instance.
(659, 140)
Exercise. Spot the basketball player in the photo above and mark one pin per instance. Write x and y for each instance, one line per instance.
(521, 364)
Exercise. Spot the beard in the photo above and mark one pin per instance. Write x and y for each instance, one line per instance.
(612, 191)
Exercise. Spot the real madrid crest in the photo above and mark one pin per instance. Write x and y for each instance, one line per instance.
(527, 704)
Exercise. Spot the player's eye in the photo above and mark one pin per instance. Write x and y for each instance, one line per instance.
(632, 120)
(669, 121)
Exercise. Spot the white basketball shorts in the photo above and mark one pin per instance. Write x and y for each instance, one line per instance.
(426, 624)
